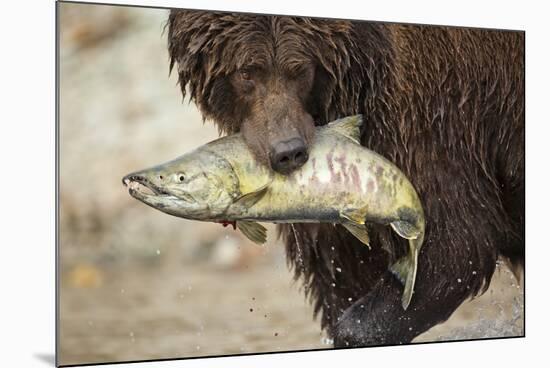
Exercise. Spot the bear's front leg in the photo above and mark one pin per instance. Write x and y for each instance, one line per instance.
(443, 283)
(379, 319)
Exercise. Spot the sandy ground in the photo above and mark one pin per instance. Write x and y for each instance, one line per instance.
(166, 308)
(138, 284)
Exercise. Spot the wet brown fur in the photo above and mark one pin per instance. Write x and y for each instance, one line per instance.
(446, 105)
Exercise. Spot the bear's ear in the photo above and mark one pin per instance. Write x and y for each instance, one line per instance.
(349, 126)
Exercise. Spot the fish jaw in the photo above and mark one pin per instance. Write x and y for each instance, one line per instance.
(179, 206)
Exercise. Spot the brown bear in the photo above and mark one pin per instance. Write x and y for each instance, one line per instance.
(445, 104)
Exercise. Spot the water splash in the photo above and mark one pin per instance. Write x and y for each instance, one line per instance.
(298, 248)
(488, 325)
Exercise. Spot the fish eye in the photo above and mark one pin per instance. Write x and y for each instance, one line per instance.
(181, 178)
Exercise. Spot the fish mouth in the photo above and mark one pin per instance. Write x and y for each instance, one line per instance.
(141, 188)
(140, 185)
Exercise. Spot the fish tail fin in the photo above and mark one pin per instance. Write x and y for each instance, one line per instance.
(405, 270)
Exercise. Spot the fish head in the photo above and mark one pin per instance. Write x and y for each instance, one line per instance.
(200, 185)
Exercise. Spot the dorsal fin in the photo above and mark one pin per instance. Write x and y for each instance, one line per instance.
(349, 126)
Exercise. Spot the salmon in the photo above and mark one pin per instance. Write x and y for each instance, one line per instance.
(341, 183)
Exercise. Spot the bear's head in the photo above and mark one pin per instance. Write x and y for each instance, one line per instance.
(273, 78)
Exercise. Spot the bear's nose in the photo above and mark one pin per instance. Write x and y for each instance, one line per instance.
(287, 156)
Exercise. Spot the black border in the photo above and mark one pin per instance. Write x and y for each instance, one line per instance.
(57, 206)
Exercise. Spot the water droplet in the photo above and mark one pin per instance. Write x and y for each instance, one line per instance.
(474, 273)
(459, 280)
(158, 251)
(333, 284)
(350, 299)
(358, 321)
(410, 328)
(298, 248)
(198, 347)
(338, 269)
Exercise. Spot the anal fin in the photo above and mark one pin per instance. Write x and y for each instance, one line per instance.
(356, 215)
(253, 231)
(359, 231)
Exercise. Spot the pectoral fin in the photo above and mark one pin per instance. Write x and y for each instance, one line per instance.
(248, 200)
(359, 231)
(253, 231)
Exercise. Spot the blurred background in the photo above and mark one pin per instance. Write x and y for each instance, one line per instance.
(138, 284)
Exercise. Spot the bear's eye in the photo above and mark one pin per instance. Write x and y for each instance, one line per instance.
(245, 74)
